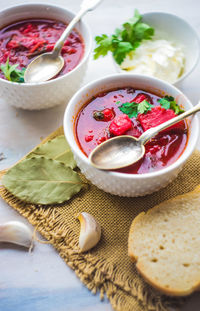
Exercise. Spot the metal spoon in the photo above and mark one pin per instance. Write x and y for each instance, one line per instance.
(48, 65)
(122, 151)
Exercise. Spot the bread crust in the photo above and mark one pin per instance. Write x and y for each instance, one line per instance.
(166, 291)
(139, 264)
(130, 251)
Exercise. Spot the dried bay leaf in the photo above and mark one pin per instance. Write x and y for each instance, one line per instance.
(42, 181)
(56, 149)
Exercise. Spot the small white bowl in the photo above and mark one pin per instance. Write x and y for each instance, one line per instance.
(54, 92)
(176, 29)
(129, 185)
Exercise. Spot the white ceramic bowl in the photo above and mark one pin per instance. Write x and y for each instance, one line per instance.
(119, 183)
(176, 29)
(57, 91)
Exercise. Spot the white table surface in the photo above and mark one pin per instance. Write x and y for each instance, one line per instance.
(41, 281)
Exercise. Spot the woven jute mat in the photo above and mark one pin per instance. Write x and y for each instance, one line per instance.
(106, 268)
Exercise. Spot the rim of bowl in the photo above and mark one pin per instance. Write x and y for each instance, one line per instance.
(185, 74)
(85, 56)
(76, 149)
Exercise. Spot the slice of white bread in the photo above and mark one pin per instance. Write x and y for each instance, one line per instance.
(165, 244)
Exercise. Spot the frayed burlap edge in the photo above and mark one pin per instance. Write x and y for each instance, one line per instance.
(97, 274)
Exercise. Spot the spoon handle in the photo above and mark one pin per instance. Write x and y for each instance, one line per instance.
(87, 5)
(146, 136)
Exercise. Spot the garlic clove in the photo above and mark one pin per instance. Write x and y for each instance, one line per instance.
(16, 232)
(90, 232)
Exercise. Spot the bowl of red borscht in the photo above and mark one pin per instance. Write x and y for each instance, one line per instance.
(125, 104)
(29, 30)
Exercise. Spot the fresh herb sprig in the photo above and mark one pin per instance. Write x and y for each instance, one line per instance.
(11, 72)
(133, 109)
(126, 39)
(168, 102)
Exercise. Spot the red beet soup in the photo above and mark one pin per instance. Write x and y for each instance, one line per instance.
(128, 111)
(22, 41)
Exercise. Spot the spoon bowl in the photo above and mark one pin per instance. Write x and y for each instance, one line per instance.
(49, 66)
(110, 156)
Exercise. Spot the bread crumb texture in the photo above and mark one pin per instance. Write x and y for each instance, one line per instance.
(165, 243)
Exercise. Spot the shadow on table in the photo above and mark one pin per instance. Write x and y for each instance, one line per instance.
(193, 303)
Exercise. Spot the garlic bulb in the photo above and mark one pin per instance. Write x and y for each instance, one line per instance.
(16, 232)
(90, 232)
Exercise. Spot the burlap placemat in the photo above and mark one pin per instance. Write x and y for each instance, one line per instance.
(106, 268)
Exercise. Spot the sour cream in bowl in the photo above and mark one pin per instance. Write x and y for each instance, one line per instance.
(171, 54)
(157, 58)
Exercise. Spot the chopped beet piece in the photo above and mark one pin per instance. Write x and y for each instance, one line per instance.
(103, 136)
(49, 47)
(120, 125)
(140, 98)
(88, 138)
(12, 44)
(136, 129)
(104, 115)
(159, 115)
(39, 44)
(108, 114)
(101, 139)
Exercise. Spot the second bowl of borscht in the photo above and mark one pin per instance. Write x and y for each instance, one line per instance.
(29, 30)
(125, 104)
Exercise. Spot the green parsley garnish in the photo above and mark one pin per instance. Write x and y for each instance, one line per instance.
(168, 102)
(126, 39)
(11, 72)
(133, 109)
